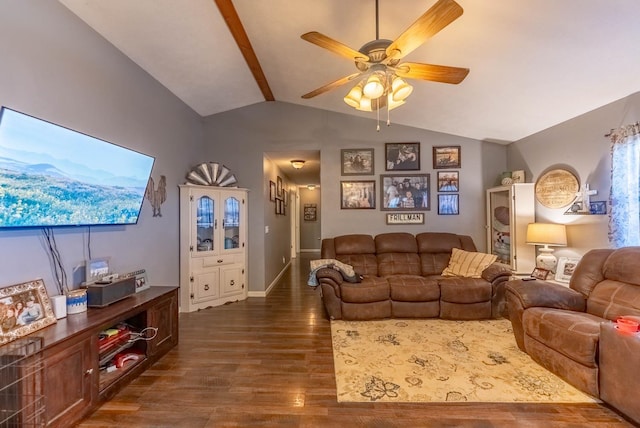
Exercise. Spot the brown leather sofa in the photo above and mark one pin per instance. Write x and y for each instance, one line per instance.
(401, 278)
(560, 327)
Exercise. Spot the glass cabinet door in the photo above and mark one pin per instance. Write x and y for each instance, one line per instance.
(231, 223)
(205, 223)
(499, 217)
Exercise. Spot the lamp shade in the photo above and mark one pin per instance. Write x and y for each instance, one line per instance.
(547, 234)
(373, 88)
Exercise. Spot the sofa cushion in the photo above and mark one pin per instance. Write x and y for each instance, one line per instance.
(468, 264)
(435, 250)
(371, 289)
(398, 264)
(396, 242)
(413, 288)
(464, 290)
(611, 299)
(573, 334)
(363, 264)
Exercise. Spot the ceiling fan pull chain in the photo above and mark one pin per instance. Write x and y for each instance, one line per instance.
(377, 23)
(378, 110)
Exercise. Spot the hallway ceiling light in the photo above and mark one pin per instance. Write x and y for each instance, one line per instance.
(297, 163)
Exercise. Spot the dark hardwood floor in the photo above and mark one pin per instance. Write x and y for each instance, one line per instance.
(268, 363)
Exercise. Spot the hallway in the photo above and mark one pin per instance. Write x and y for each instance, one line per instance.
(268, 363)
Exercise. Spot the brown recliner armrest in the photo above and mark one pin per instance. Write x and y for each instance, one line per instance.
(521, 295)
(330, 277)
(546, 294)
(494, 271)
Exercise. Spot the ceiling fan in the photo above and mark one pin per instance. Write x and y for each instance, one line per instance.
(381, 74)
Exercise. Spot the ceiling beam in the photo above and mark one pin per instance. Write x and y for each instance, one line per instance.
(232, 19)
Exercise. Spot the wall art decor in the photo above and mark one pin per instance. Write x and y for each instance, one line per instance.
(448, 181)
(402, 156)
(24, 308)
(357, 162)
(357, 195)
(272, 191)
(310, 212)
(557, 188)
(448, 204)
(447, 157)
(405, 218)
(278, 187)
(405, 192)
(156, 196)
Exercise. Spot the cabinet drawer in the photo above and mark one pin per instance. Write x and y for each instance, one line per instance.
(208, 262)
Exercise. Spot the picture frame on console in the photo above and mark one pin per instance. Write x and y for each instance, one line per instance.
(565, 268)
(540, 273)
(24, 308)
(410, 192)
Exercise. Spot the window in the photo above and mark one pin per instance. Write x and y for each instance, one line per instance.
(624, 223)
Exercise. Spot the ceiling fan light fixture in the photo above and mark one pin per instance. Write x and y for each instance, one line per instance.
(400, 89)
(354, 96)
(297, 163)
(374, 87)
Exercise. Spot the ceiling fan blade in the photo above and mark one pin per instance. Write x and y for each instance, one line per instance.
(435, 73)
(332, 85)
(334, 46)
(441, 14)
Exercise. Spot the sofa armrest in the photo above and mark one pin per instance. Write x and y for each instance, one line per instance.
(546, 294)
(330, 277)
(495, 271)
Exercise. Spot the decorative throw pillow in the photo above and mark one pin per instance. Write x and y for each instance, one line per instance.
(468, 264)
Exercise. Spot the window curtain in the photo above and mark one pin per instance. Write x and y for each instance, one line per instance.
(624, 220)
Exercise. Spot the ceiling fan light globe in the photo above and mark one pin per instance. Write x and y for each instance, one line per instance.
(352, 99)
(391, 103)
(400, 89)
(365, 104)
(374, 87)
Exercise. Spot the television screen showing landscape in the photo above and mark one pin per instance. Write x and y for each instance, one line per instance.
(54, 176)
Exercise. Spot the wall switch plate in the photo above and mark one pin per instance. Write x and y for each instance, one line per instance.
(266, 229)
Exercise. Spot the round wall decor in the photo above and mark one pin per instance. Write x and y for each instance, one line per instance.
(557, 188)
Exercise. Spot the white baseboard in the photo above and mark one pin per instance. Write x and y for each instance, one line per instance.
(310, 250)
(270, 287)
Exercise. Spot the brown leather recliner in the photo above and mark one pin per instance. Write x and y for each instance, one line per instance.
(559, 327)
(402, 279)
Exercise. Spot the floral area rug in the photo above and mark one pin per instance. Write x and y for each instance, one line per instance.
(437, 361)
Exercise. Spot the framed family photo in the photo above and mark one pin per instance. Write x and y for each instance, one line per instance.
(540, 273)
(446, 157)
(24, 308)
(410, 192)
(357, 195)
(402, 156)
(272, 191)
(357, 161)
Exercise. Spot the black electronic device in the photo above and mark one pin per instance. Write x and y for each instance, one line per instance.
(105, 293)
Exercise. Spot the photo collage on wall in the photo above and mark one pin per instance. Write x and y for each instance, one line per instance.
(404, 188)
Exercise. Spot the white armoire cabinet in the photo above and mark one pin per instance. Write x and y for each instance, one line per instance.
(213, 246)
(509, 210)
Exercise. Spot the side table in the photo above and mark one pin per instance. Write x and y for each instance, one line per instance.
(619, 375)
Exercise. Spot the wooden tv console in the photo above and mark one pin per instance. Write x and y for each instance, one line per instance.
(73, 383)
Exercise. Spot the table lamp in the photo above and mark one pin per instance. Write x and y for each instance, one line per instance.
(546, 234)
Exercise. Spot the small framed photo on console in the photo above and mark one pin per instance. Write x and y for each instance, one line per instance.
(539, 273)
(96, 269)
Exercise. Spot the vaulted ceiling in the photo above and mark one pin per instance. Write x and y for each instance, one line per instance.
(534, 63)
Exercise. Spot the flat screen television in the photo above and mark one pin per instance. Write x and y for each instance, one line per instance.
(53, 176)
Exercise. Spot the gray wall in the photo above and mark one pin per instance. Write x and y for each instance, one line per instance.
(580, 146)
(310, 231)
(239, 138)
(57, 68)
